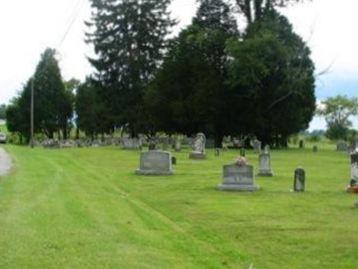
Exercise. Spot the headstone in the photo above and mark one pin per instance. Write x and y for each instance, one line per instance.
(174, 160)
(238, 178)
(267, 149)
(315, 149)
(177, 145)
(188, 141)
(299, 181)
(257, 146)
(342, 146)
(131, 143)
(67, 144)
(302, 144)
(155, 163)
(217, 152)
(198, 152)
(353, 186)
(265, 165)
(237, 143)
(51, 144)
(242, 152)
(96, 143)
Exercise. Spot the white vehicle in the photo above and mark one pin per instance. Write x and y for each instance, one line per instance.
(2, 138)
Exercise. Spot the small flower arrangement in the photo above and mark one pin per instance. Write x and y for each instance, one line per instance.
(241, 161)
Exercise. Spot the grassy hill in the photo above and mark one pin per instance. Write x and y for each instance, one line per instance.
(85, 208)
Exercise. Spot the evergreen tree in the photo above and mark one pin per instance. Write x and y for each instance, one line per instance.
(49, 94)
(216, 14)
(129, 37)
(273, 77)
(87, 108)
(189, 93)
(52, 106)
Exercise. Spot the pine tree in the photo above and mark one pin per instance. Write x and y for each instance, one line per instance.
(129, 38)
(50, 95)
(189, 93)
(216, 14)
(52, 107)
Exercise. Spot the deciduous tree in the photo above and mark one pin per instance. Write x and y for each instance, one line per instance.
(338, 112)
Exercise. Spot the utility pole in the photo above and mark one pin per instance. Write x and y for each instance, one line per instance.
(32, 114)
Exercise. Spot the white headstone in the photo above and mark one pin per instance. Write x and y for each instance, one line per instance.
(198, 151)
(177, 145)
(131, 143)
(265, 165)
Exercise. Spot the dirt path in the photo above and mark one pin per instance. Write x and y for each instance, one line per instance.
(5, 162)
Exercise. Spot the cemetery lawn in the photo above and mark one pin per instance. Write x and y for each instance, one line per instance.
(85, 208)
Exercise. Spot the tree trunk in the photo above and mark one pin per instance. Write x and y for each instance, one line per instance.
(77, 133)
(64, 132)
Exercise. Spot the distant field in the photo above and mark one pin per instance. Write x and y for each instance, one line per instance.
(85, 208)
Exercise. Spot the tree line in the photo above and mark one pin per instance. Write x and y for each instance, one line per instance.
(211, 77)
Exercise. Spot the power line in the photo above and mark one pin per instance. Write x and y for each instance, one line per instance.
(72, 19)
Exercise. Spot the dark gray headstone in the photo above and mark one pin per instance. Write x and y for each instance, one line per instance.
(238, 178)
(242, 152)
(300, 180)
(301, 144)
(174, 160)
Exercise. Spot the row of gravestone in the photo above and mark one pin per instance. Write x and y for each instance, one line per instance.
(236, 177)
(157, 162)
(79, 143)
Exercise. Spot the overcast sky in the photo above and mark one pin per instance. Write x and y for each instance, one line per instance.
(28, 27)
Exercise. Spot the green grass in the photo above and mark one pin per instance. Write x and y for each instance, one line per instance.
(85, 208)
